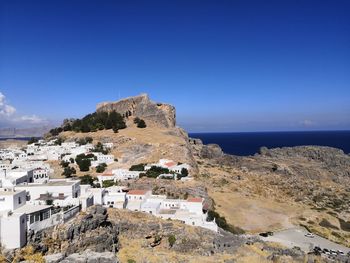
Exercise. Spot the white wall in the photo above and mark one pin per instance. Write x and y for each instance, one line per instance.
(13, 231)
(12, 200)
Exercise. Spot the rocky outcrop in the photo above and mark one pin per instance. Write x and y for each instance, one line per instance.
(91, 230)
(330, 156)
(155, 232)
(141, 106)
(207, 151)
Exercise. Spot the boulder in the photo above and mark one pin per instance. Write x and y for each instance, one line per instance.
(211, 151)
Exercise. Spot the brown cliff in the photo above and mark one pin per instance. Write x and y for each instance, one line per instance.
(141, 106)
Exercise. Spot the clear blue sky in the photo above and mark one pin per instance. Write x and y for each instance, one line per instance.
(238, 65)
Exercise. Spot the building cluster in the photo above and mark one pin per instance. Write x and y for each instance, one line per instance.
(30, 200)
(191, 211)
(124, 174)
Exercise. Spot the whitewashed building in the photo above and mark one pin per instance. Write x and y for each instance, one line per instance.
(118, 175)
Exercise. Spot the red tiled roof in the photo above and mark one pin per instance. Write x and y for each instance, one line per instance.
(137, 192)
(195, 199)
(107, 173)
(170, 164)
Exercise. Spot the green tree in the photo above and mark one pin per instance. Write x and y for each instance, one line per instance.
(101, 168)
(84, 165)
(67, 127)
(155, 171)
(137, 167)
(108, 183)
(99, 148)
(184, 172)
(87, 179)
(64, 164)
(221, 222)
(141, 124)
(171, 240)
(69, 171)
(84, 161)
(108, 124)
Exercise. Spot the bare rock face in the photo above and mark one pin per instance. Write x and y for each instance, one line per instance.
(207, 151)
(141, 106)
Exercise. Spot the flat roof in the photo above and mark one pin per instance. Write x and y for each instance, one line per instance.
(50, 183)
(2, 192)
(29, 209)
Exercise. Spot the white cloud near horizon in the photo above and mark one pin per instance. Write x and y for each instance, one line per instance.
(9, 118)
(5, 109)
(33, 119)
(307, 123)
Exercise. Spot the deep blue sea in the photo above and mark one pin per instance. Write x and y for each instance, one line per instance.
(248, 143)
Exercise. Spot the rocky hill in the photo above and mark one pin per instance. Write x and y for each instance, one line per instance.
(279, 188)
(133, 145)
(141, 106)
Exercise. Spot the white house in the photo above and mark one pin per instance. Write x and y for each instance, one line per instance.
(13, 229)
(115, 196)
(102, 158)
(98, 193)
(17, 217)
(11, 199)
(118, 175)
(135, 198)
(39, 175)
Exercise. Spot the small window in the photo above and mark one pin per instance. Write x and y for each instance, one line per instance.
(19, 200)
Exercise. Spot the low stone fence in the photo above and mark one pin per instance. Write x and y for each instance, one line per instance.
(70, 213)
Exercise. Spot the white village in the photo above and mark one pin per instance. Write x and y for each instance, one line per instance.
(31, 200)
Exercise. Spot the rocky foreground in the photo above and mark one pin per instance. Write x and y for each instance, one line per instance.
(113, 235)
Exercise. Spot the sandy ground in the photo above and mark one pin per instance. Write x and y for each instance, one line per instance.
(253, 215)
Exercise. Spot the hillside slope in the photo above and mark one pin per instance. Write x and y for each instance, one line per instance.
(306, 185)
